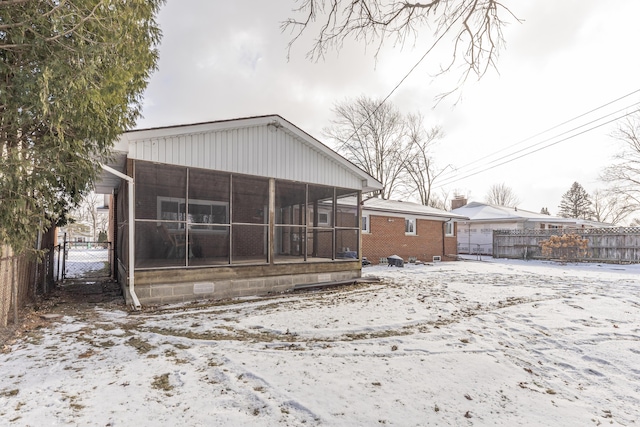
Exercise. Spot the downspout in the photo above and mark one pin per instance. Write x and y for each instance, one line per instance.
(130, 203)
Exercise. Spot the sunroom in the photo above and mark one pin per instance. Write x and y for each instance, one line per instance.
(232, 208)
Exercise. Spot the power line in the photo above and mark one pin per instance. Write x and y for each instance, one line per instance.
(539, 149)
(406, 76)
(542, 133)
(451, 175)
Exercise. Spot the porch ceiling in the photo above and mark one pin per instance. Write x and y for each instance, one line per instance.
(106, 182)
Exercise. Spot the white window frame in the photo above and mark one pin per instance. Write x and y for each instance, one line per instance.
(183, 221)
(326, 219)
(412, 231)
(366, 223)
(450, 229)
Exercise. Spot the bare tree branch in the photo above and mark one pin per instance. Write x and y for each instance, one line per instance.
(476, 24)
(374, 137)
(502, 195)
(623, 176)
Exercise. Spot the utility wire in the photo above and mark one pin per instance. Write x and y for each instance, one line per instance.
(452, 175)
(406, 76)
(539, 149)
(542, 133)
(435, 43)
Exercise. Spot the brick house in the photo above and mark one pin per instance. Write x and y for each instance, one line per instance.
(409, 230)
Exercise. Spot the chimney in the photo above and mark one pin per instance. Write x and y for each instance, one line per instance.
(458, 202)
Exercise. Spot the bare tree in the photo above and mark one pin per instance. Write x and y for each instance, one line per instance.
(474, 25)
(502, 195)
(87, 214)
(420, 165)
(440, 201)
(611, 207)
(623, 175)
(374, 137)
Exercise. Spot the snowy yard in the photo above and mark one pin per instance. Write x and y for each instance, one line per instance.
(453, 344)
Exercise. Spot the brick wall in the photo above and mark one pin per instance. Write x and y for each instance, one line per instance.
(387, 237)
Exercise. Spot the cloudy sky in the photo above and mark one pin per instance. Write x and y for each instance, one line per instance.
(222, 60)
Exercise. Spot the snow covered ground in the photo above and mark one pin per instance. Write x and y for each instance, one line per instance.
(499, 342)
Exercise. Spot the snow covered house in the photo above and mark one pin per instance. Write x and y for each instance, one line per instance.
(230, 208)
(475, 236)
(409, 230)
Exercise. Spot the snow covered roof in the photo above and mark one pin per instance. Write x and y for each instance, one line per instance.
(481, 211)
(410, 208)
(477, 211)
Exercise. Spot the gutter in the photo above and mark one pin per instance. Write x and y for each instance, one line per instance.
(130, 183)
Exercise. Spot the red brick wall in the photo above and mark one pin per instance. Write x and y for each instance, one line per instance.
(387, 237)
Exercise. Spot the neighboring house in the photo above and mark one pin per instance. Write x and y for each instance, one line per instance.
(476, 235)
(231, 208)
(409, 230)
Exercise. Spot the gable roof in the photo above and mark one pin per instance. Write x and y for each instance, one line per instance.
(484, 211)
(391, 207)
(477, 211)
(261, 145)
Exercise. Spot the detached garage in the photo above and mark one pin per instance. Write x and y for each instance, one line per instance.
(231, 208)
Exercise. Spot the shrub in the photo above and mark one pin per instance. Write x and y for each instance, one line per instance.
(568, 247)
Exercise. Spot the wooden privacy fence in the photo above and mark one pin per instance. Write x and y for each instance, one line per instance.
(17, 274)
(617, 245)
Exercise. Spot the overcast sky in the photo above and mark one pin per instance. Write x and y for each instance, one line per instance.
(221, 60)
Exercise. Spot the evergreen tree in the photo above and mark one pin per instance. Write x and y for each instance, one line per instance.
(544, 211)
(576, 203)
(72, 76)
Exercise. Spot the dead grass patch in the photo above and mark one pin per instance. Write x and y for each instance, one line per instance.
(161, 382)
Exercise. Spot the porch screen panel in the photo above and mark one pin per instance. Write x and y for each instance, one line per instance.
(249, 244)
(320, 222)
(290, 203)
(290, 210)
(208, 217)
(160, 214)
(320, 244)
(159, 246)
(209, 247)
(346, 244)
(347, 224)
(250, 220)
(346, 208)
(320, 206)
(250, 200)
(160, 192)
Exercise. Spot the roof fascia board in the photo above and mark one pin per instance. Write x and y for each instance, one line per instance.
(434, 217)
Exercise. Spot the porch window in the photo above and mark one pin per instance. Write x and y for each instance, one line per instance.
(199, 212)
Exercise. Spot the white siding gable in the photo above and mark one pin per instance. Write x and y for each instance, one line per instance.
(265, 146)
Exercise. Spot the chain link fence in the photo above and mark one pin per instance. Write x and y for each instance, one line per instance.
(86, 260)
